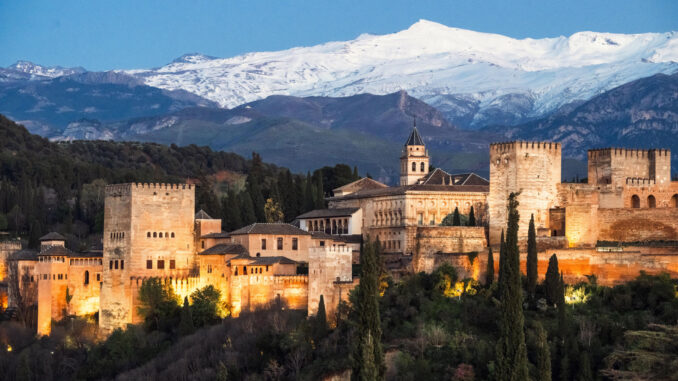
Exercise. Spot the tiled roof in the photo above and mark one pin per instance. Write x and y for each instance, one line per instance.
(414, 139)
(270, 228)
(201, 215)
(440, 177)
(364, 183)
(53, 236)
(216, 235)
(225, 248)
(322, 213)
(400, 190)
(56, 250)
(267, 261)
(25, 255)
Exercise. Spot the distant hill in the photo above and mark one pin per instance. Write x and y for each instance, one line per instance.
(640, 114)
(304, 133)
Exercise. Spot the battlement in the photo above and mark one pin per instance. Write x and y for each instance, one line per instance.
(128, 188)
(640, 182)
(290, 279)
(331, 249)
(629, 152)
(520, 144)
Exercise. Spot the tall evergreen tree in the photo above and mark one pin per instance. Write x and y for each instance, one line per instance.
(511, 349)
(543, 355)
(369, 322)
(552, 280)
(247, 209)
(356, 175)
(532, 269)
(489, 273)
(309, 194)
(319, 198)
(502, 261)
(471, 217)
(321, 320)
(186, 326)
(456, 219)
(232, 213)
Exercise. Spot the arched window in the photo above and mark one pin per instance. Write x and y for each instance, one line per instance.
(148, 235)
(155, 235)
(423, 166)
(172, 234)
(414, 167)
(160, 234)
(674, 201)
(86, 277)
(635, 201)
(651, 201)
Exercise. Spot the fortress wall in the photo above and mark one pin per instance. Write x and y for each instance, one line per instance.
(615, 165)
(7, 248)
(663, 194)
(328, 268)
(447, 239)
(532, 168)
(645, 224)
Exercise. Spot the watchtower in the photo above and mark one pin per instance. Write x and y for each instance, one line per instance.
(414, 160)
(148, 232)
(531, 168)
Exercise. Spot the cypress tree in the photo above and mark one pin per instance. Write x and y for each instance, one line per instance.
(320, 192)
(308, 194)
(368, 367)
(552, 280)
(456, 220)
(502, 261)
(321, 320)
(369, 322)
(471, 217)
(489, 274)
(532, 269)
(186, 326)
(511, 349)
(562, 309)
(356, 175)
(247, 209)
(543, 355)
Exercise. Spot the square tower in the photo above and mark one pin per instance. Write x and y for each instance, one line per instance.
(617, 166)
(148, 232)
(531, 168)
(414, 161)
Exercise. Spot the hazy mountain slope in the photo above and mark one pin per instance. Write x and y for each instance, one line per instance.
(639, 114)
(49, 105)
(474, 78)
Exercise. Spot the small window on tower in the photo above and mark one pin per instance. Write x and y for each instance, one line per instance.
(122, 264)
(149, 264)
(414, 167)
(173, 264)
(422, 167)
(148, 235)
(161, 264)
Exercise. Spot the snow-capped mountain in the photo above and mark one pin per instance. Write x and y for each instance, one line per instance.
(474, 78)
(35, 70)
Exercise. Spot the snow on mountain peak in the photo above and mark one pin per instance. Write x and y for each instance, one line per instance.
(43, 71)
(433, 62)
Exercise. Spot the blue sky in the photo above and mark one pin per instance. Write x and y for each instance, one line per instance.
(106, 34)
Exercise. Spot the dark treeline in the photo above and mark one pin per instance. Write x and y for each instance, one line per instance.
(46, 186)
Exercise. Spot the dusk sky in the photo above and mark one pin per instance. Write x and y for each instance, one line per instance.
(102, 35)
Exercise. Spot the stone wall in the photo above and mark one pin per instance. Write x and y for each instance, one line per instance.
(631, 225)
(616, 165)
(532, 168)
(434, 240)
(328, 269)
(143, 222)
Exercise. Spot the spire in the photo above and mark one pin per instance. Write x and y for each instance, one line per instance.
(414, 139)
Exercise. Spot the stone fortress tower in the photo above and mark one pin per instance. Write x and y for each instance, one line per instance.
(531, 168)
(148, 232)
(414, 161)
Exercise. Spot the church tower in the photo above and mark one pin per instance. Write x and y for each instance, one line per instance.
(414, 159)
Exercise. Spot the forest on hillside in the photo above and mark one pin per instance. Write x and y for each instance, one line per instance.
(47, 186)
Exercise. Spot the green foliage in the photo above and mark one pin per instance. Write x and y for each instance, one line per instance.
(645, 355)
(456, 221)
(471, 217)
(3, 222)
(511, 350)
(205, 307)
(159, 305)
(489, 272)
(543, 354)
(368, 322)
(186, 325)
(552, 280)
(532, 269)
(320, 320)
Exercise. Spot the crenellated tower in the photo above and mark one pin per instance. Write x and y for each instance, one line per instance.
(414, 160)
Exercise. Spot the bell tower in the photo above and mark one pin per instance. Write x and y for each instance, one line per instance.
(414, 159)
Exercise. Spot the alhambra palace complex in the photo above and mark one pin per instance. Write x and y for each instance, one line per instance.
(624, 220)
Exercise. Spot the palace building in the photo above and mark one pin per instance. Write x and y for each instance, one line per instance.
(623, 220)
